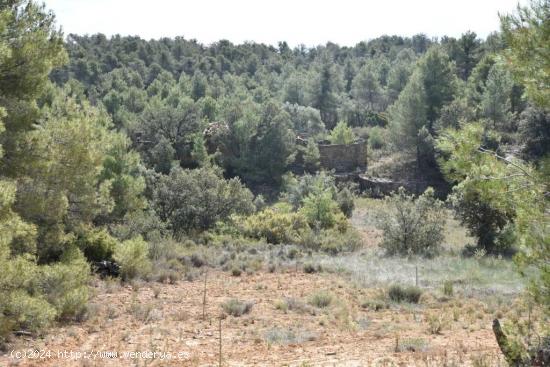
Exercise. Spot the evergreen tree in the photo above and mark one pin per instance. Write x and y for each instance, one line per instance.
(439, 82)
(527, 34)
(311, 156)
(409, 115)
(495, 100)
(366, 89)
(323, 89)
(469, 50)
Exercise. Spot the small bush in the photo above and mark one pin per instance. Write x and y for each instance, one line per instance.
(237, 308)
(311, 269)
(410, 294)
(412, 226)
(131, 255)
(321, 299)
(236, 272)
(198, 260)
(156, 291)
(376, 138)
(281, 305)
(288, 336)
(331, 241)
(294, 304)
(97, 245)
(320, 209)
(293, 253)
(64, 284)
(207, 197)
(346, 201)
(342, 134)
(374, 305)
(141, 311)
(140, 222)
(276, 225)
(259, 203)
(411, 345)
(435, 323)
(448, 288)
(191, 275)
(165, 249)
(26, 312)
(491, 225)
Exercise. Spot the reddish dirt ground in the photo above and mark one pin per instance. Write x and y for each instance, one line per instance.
(125, 319)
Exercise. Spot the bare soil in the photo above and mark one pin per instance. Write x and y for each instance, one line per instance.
(127, 318)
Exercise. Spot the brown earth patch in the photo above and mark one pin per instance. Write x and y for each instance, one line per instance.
(343, 334)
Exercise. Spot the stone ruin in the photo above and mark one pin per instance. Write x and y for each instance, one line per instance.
(344, 157)
(340, 158)
(378, 187)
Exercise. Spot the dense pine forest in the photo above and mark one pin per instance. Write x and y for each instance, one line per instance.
(153, 160)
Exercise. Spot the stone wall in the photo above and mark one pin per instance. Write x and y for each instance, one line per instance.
(344, 158)
(379, 187)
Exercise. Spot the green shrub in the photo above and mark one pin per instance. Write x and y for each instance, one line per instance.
(32, 296)
(293, 253)
(64, 284)
(491, 225)
(331, 241)
(276, 225)
(321, 299)
(374, 305)
(236, 272)
(320, 209)
(342, 134)
(296, 189)
(436, 323)
(376, 138)
(132, 256)
(311, 269)
(259, 202)
(281, 305)
(97, 244)
(195, 200)
(237, 308)
(165, 249)
(198, 260)
(412, 226)
(145, 223)
(311, 156)
(409, 294)
(346, 201)
(26, 312)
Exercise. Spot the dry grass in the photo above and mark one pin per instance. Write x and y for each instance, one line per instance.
(304, 318)
(267, 335)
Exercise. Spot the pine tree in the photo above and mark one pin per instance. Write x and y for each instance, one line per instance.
(439, 81)
(311, 156)
(495, 100)
(366, 89)
(409, 115)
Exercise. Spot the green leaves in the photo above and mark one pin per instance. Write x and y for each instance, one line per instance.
(412, 226)
(194, 200)
(342, 134)
(495, 192)
(527, 34)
